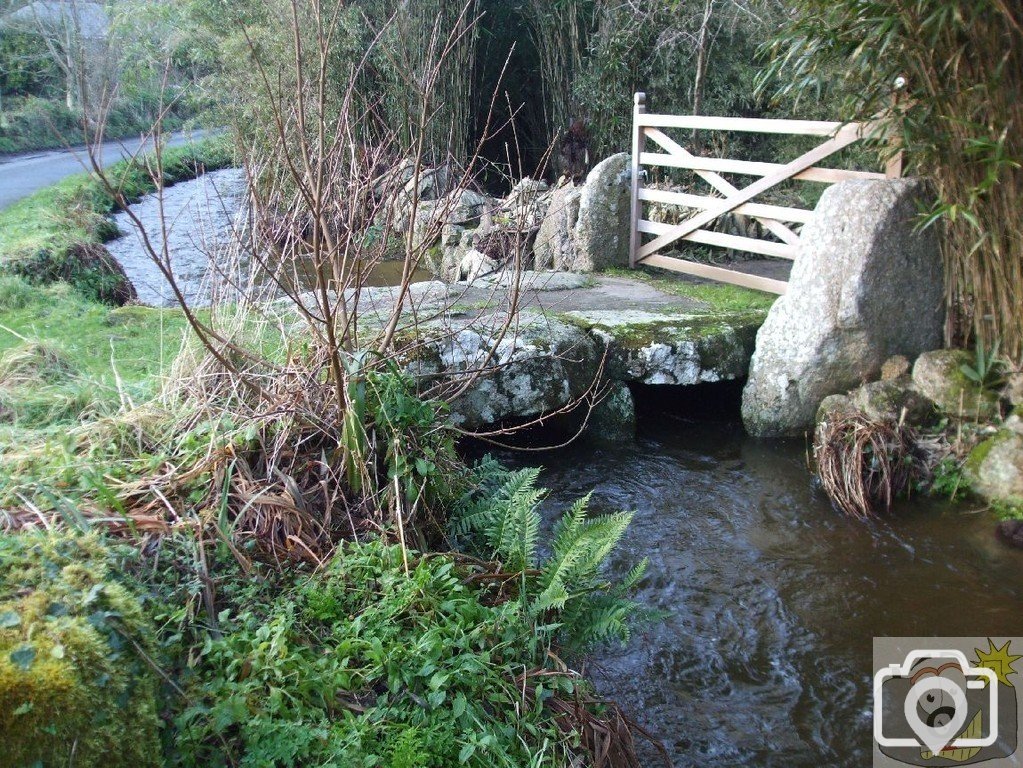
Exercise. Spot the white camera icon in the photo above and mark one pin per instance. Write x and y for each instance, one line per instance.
(929, 734)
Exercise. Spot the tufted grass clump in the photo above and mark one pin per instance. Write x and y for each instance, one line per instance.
(40, 386)
(15, 292)
(864, 464)
(75, 688)
(34, 363)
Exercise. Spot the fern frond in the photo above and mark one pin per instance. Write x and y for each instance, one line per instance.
(599, 619)
(633, 577)
(500, 519)
(602, 535)
(516, 531)
(567, 551)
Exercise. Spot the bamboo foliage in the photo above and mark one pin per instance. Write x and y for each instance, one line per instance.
(560, 32)
(427, 46)
(959, 117)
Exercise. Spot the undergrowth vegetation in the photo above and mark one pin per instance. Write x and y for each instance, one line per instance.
(379, 654)
(299, 602)
(385, 657)
(34, 123)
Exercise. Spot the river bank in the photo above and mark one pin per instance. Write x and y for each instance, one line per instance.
(56, 233)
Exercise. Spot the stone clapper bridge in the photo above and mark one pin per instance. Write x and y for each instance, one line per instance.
(575, 340)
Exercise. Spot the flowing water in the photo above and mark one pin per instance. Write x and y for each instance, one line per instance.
(198, 218)
(202, 220)
(770, 597)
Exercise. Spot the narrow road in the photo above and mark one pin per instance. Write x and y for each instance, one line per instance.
(22, 175)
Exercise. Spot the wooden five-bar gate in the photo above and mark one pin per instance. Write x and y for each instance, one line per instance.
(776, 219)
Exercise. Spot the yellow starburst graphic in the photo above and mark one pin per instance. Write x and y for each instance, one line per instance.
(998, 660)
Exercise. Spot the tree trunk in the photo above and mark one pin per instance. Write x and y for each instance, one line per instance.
(702, 46)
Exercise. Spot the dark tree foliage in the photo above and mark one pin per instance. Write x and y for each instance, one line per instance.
(25, 69)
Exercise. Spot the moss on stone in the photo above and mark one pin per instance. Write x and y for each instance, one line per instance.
(681, 348)
(939, 377)
(73, 688)
(980, 452)
(685, 326)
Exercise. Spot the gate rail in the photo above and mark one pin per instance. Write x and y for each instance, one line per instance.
(774, 218)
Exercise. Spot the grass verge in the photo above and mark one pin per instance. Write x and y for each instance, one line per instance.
(65, 362)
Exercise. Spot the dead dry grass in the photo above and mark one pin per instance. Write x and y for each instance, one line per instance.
(864, 464)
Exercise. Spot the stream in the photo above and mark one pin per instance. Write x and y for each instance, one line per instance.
(204, 221)
(200, 217)
(770, 597)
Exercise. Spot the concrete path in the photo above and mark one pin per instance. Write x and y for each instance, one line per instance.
(22, 175)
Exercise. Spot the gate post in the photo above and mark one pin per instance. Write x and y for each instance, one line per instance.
(638, 142)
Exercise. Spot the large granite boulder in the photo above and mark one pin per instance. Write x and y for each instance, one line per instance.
(865, 285)
(542, 366)
(549, 361)
(673, 348)
(587, 228)
(555, 242)
(613, 420)
(526, 205)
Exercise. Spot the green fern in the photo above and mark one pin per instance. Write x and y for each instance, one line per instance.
(568, 592)
(514, 533)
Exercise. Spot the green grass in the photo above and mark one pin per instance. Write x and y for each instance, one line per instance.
(42, 220)
(65, 359)
(136, 341)
(719, 296)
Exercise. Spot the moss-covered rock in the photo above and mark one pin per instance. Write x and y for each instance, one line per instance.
(677, 348)
(548, 361)
(613, 419)
(74, 688)
(938, 376)
(536, 368)
(995, 467)
(834, 406)
(889, 399)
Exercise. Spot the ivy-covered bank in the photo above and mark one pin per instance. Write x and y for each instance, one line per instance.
(57, 233)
